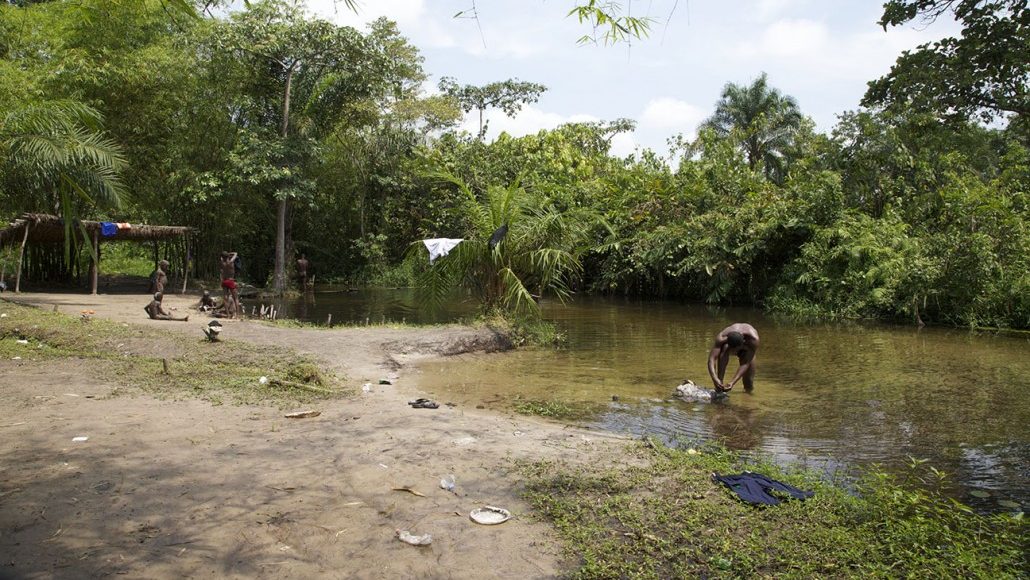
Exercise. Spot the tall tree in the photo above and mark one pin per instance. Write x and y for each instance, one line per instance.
(764, 120)
(292, 58)
(509, 96)
(981, 74)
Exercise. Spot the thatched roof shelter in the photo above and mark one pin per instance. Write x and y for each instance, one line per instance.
(49, 229)
(46, 229)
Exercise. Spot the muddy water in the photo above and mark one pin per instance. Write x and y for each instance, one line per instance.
(829, 396)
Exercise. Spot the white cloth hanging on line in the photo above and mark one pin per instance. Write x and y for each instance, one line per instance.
(439, 247)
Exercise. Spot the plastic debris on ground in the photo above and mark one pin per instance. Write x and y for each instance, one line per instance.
(80, 439)
(447, 482)
(490, 515)
(409, 538)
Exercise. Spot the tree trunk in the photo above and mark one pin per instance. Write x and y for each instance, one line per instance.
(280, 226)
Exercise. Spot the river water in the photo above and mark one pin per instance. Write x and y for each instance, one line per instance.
(830, 396)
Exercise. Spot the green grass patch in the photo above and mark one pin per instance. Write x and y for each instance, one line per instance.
(562, 411)
(662, 516)
(135, 358)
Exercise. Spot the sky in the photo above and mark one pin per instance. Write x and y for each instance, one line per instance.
(821, 52)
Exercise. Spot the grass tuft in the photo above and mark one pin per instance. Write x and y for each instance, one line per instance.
(662, 516)
(134, 356)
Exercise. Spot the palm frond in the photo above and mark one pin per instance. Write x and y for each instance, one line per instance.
(516, 298)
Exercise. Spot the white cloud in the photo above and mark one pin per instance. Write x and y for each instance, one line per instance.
(401, 11)
(623, 144)
(767, 9)
(788, 38)
(529, 120)
(671, 115)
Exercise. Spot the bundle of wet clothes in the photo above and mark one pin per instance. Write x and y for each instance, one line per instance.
(755, 488)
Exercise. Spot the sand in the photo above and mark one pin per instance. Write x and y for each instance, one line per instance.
(179, 489)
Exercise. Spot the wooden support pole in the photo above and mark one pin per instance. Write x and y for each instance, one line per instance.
(96, 262)
(186, 266)
(21, 254)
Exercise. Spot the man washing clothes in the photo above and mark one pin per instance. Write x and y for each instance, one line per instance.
(740, 339)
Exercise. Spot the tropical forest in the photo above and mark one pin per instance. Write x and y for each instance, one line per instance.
(283, 297)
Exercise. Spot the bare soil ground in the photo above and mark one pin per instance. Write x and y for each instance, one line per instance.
(181, 489)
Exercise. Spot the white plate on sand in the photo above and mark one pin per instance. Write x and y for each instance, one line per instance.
(490, 515)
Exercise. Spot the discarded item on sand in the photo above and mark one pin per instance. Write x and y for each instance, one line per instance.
(688, 391)
(214, 328)
(447, 482)
(80, 438)
(385, 382)
(409, 538)
(490, 515)
(409, 490)
(424, 404)
(303, 414)
(22, 341)
(263, 380)
(366, 388)
(16, 358)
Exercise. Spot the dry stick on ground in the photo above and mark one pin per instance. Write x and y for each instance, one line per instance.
(282, 383)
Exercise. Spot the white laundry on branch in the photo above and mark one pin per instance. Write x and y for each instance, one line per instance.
(439, 247)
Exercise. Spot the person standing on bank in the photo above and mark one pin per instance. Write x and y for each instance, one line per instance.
(739, 339)
(159, 279)
(231, 297)
(302, 272)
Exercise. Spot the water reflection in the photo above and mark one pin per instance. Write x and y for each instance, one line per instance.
(824, 393)
(336, 305)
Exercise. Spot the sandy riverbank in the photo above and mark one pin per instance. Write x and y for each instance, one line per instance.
(170, 489)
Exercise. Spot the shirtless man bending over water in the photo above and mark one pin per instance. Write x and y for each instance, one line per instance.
(740, 339)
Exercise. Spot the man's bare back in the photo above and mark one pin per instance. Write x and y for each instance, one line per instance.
(739, 339)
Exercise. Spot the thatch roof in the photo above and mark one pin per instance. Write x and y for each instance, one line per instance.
(49, 229)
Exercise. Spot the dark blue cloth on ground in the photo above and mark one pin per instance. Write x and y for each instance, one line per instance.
(755, 488)
(108, 229)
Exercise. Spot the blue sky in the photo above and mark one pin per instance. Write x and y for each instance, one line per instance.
(822, 52)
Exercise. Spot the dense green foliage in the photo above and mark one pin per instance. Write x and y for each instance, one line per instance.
(185, 117)
(659, 514)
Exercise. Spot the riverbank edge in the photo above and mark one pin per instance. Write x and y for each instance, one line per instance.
(659, 513)
(563, 489)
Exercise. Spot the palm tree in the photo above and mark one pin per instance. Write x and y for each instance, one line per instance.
(764, 120)
(537, 253)
(55, 155)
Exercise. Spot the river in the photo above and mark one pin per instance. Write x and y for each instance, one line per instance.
(829, 396)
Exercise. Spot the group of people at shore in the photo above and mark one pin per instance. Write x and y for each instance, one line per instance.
(229, 266)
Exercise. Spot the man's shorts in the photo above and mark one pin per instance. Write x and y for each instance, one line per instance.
(229, 284)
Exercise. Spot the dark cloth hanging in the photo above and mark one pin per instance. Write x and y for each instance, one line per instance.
(498, 236)
(755, 488)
